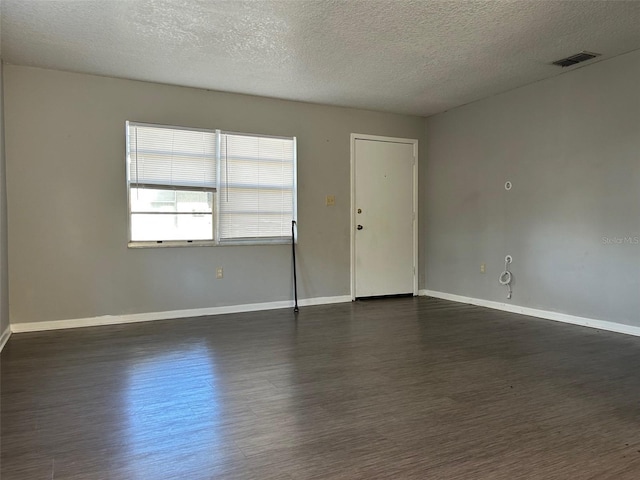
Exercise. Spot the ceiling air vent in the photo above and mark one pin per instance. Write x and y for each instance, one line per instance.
(574, 59)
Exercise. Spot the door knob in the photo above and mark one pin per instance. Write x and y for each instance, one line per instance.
(359, 227)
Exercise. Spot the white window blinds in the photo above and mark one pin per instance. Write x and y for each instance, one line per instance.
(208, 185)
(170, 158)
(257, 187)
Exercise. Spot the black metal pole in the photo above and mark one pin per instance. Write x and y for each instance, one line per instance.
(295, 279)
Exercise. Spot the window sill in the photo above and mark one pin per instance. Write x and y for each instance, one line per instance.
(172, 243)
(207, 243)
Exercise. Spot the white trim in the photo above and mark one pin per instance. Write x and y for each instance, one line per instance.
(415, 218)
(352, 238)
(4, 338)
(173, 314)
(308, 302)
(534, 312)
(378, 138)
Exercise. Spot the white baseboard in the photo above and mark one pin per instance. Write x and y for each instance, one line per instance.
(534, 312)
(4, 338)
(307, 302)
(147, 317)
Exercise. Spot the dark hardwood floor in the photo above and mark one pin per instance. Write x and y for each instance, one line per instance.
(399, 388)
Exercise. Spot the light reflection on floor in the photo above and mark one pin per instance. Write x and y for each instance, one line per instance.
(173, 411)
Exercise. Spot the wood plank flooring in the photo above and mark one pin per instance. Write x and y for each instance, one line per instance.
(389, 389)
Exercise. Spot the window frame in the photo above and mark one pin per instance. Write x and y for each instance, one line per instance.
(215, 210)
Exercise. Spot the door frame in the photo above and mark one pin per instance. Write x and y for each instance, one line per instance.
(378, 138)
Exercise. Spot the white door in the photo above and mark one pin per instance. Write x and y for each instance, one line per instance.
(383, 219)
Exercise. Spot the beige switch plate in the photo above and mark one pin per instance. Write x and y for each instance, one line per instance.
(330, 200)
(219, 272)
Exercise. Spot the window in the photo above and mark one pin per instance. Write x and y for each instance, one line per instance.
(191, 186)
(172, 182)
(256, 187)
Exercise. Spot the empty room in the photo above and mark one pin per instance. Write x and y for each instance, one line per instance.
(319, 239)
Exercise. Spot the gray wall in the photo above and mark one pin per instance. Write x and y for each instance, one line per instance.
(571, 147)
(4, 291)
(67, 218)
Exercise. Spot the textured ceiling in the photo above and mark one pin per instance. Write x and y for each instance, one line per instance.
(419, 57)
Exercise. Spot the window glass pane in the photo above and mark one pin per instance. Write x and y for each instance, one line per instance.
(155, 227)
(156, 200)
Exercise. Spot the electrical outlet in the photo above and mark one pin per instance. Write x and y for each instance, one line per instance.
(330, 200)
(483, 268)
(219, 272)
